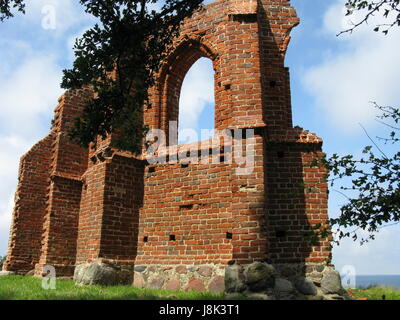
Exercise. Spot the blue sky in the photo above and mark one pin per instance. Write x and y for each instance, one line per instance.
(333, 80)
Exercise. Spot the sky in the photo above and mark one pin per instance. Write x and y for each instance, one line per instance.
(333, 81)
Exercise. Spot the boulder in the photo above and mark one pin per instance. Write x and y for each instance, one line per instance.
(234, 279)
(315, 277)
(181, 269)
(283, 288)
(140, 268)
(205, 271)
(217, 284)
(157, 283)
(305, 286)
(151, 269)
(331, 282)
(260, 276)
(138, 280)
(99, 273)
(195, 285)
(173, 285)
(258, 296)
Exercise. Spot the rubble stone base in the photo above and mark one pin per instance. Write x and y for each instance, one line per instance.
(258, 280)
(181, 277)
(104, 274)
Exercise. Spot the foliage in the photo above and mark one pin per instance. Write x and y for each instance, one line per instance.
(389, 9)
(29, 288)
(375, 178)
(7, 6)
(375, 175)
(118, 58)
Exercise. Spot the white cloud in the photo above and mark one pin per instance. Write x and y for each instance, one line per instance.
(29, 89)
(353, 70)
(197, 92)
(11, 148)
(5, 223)
(380, 256)
(68, 13)
(29, 92)
(364, 70)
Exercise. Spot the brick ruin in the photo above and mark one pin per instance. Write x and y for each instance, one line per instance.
(179, 226)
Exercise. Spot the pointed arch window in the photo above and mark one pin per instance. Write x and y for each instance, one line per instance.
(197, 103)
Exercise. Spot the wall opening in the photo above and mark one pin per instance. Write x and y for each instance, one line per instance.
(197, 103)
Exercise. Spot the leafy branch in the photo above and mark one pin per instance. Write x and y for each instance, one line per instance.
(118, 59)
(371, 8)
(7, 7)
(375, 178)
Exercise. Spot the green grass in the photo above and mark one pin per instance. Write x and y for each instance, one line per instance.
(377, 293)
(29, 288)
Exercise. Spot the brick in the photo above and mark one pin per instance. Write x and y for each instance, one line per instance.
(78, 205)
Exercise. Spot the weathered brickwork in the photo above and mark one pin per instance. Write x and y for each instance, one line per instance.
(30, 208)
(75, 206)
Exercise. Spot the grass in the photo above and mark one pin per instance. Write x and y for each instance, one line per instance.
(376, 293)
(29, 288)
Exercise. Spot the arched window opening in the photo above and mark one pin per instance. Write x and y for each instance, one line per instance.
(197, 103)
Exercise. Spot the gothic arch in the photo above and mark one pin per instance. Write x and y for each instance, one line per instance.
(173, 72)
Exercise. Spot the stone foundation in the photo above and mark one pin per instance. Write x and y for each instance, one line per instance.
(181, 277)
(258, 280)
(291, 271)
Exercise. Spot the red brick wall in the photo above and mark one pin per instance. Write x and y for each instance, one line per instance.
(90, 215)
(231, 42)
(68, 163)
(123, 196)
(178, 201)
(248, 207)
(103, 204)
(270, 212)
(61, 226)
(109, 212)
(277, 18)
(296, 195)
(30, 208)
